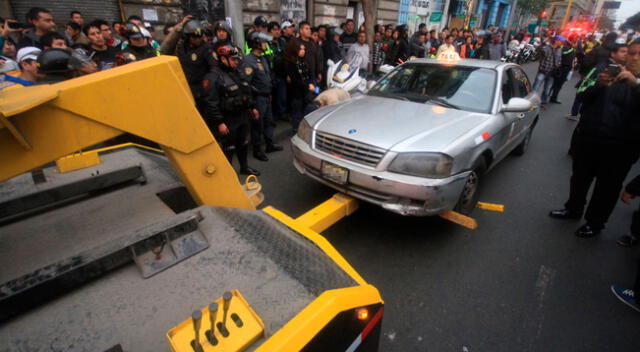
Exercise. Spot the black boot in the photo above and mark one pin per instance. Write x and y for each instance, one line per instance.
(588, 230)
(259, 154)
(244, 165)
(228, 152)
(273, 148)
(564, 214)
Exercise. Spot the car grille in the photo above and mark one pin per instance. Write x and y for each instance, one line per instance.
(348, 149)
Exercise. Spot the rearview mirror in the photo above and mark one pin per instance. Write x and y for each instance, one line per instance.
(517, 105)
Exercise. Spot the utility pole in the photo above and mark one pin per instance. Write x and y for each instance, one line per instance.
(233, 10)
(566, 14)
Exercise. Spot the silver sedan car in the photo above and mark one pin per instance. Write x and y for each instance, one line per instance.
(421, 138)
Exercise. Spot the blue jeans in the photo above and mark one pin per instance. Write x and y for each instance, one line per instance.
(545, 79)
(575, 108)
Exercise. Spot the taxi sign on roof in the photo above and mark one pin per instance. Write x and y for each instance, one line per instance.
(448, 56)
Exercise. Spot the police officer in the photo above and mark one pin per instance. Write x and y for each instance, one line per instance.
(222, 32)
(138, 48)
(255, 70)
(605, 144)
(228, 104)
(196, 56)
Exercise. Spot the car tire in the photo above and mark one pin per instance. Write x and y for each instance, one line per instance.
(524, 145)
(470, 193)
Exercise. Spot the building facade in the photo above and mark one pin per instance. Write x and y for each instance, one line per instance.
(493, 13)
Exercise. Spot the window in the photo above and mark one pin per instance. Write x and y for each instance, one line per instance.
(466, 88)
(523, 88)
(507, 86)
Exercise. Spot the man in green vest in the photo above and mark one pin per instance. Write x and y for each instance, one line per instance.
(562, 72)
(260, 24)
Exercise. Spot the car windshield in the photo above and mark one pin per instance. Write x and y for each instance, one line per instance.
(464, 88)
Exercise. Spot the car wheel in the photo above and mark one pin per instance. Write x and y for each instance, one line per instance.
(469, 196)
(524, 145)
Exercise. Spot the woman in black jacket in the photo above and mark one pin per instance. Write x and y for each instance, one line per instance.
(301, 86)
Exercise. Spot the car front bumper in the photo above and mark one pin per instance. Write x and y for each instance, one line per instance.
(402, 194)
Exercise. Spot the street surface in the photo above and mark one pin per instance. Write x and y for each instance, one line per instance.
(520, 282)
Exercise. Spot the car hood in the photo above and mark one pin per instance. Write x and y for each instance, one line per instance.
(395, 124)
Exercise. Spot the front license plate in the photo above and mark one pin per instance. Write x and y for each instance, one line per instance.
(334, 173)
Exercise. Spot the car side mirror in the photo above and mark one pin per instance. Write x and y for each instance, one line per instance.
(517, 105)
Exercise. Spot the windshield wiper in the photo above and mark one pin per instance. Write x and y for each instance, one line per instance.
(442, 102)
(395, 96)
(388, 95)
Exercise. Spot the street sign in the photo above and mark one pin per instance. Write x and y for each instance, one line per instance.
(436, 17)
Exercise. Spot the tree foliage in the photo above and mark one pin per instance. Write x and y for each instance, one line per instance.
(532, 6)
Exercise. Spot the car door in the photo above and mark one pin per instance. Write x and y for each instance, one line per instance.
(507, 120)
(522, 89)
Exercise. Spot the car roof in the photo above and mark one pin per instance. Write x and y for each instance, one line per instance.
(491, 64)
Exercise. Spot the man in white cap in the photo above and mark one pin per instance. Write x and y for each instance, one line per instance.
(288, 30)
(29, 75)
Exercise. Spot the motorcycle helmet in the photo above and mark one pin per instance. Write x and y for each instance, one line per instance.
(53, 61)
(222, 25)
(257, 38)
(193, 27)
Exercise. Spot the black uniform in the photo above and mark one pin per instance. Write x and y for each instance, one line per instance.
(604, 147)
(135, 53)
(560, 76)
(196, 63)
(227, 99)
(255, 70)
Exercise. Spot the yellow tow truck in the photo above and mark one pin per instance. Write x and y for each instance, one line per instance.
(211, 272)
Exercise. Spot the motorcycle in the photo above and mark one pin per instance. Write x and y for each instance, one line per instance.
(513, 52)
(345, 73)
(526, 53)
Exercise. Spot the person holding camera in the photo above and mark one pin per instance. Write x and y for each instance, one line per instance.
(605, 144)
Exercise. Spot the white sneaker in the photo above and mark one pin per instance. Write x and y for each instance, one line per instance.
(573, 118)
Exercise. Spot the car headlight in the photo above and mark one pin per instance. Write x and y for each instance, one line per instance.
(304, 131)
(431, 165)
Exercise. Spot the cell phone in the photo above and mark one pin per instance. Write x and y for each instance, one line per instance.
(18, 25)
(613, 70)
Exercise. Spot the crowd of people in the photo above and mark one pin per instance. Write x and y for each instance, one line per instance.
(283, 64)
(279, 73)
(606, 141)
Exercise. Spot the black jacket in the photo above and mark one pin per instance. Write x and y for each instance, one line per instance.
(312, 55)
(610, 114)
(332, 51)
(300, 80)
(227, 98)
(403, 50)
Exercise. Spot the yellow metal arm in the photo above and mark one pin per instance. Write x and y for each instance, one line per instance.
(149, 98)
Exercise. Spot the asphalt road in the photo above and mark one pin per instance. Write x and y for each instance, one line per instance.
(520, 282)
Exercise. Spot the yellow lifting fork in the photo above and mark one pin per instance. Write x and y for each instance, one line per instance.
(44, 123)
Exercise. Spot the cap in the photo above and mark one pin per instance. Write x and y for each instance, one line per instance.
(28, 53)
(286, 24)
(260, 21)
